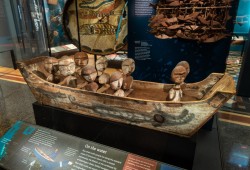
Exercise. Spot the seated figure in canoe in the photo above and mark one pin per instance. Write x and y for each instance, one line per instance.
(180, 108)
(76, 72)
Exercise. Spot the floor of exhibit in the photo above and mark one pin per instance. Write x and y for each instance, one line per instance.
(233, 123)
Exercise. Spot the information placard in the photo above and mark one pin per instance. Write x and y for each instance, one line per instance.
(27, 146)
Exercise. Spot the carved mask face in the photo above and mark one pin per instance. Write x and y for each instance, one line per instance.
(67, 69)
(101, 64)
(50, 64)
(81, 59)
(116, 85)
(101, 67)
(185, 64)
(90, 77)
(48, 67)
(128, 66)
(81, 62)
(179, 74)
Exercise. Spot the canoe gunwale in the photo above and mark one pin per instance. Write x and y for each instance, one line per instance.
(24, 66)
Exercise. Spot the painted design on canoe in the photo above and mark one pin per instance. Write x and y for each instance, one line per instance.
(137, 117)
(145, 106)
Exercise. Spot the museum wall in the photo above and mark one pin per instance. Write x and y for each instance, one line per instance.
(244, 83)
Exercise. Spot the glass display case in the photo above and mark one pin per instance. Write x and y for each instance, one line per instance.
(73, 26)
(29, 23)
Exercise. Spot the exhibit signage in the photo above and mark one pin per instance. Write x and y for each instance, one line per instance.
(27, 146)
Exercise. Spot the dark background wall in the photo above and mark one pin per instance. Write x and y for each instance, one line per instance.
(166, 53)
(244, 78)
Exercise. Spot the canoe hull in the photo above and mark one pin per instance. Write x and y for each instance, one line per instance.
(182, 119)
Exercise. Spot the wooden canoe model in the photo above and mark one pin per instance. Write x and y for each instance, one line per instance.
(146, 106)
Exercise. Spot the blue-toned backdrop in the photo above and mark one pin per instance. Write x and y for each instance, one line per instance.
(54, 14)
(243, 18)
(166, 53)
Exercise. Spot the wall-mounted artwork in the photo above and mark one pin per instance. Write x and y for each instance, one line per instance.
(54, 12)
(165, 32)
(203, 21)
(99, 27)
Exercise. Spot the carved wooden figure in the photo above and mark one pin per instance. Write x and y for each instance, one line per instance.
(101, 65)
(189, 93)
(116, 81)
(51, 67)
(128, 66)
(104, 79)
(120, 93)
(66, 68)
(89, 73)
(93, 86)
(185, 64)
(127, 82)
(81, 60)
(178, 76)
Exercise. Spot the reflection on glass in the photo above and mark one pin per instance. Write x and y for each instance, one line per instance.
(239, 156)
(242, 21)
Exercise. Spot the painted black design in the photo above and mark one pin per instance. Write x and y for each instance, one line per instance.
(136, 117)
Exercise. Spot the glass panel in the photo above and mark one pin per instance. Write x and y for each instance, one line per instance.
(26, 22)
(54, 15)
(239, 40)
(39, 31)
(59, 42)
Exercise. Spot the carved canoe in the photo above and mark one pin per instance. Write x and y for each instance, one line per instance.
(146, 106)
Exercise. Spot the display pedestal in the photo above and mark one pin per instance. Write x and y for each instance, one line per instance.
(152, 144)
